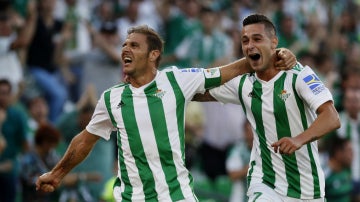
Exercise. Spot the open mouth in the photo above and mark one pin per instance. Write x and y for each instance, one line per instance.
(127, 60)
(255, 56)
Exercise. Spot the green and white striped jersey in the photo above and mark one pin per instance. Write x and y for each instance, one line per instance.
(282, 107)
(150, 133)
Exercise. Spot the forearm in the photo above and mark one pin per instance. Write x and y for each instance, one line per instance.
(326, 122)
(234, 69)
(77, 151)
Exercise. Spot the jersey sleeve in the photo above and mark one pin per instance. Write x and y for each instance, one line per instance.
(100, 123)
(197, 80)
(227, 93)
(312, 89)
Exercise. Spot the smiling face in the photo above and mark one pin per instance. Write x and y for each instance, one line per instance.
(258, 46)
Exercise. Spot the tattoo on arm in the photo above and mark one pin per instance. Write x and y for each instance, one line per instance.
(66, 163)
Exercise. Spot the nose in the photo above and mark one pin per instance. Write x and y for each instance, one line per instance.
(125, 48)
(250, 45)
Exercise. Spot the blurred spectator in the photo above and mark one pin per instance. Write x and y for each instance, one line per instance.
(38, 112)
(350, 129)
(221, 131)
(133, 17)
(207, 47)
(76, 45)
(179, 22)
(325, 68)
(287, 33)
(102, 67)
(103, 12)
(350, 79)
(194, 130)
(337, 173)
(44, 55)
(107, 191)
(15, 36)
(13, 128)
(2, 139)
(40, 159)
(237, 164)
(98, 166)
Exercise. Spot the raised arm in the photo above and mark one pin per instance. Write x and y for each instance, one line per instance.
(286, 60)
(77, 151)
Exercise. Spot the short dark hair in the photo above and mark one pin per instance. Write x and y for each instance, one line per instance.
(154, 40)
(262, 19)
(337, 144)
(7, 83)
(108, 27)
(46, 133)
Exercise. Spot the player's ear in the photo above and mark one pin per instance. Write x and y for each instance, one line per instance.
(274, 42)
(154, 54)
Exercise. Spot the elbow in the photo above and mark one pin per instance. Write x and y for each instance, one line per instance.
(337, 123)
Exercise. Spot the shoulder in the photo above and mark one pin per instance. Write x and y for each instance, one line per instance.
(177, 70)
(117, 86)
(298, 68)
(15, 111)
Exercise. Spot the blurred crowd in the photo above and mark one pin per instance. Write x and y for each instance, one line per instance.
(58, 56)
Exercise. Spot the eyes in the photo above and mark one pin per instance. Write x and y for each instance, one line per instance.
(246, 40)
(131, 45)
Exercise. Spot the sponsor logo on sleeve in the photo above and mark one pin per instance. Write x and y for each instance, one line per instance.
(314, 83)
(191, 70)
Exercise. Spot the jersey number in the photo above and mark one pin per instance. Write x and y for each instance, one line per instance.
(257, 195)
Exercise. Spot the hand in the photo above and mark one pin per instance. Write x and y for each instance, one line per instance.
(285, 59)
(47, 183)
(286, 145)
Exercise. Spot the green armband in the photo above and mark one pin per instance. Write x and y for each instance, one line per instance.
(212, 77)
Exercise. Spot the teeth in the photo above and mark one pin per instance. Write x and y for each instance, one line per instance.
(127, 59)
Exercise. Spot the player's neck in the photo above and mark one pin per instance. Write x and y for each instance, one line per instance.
(143, 79)
(267, 74)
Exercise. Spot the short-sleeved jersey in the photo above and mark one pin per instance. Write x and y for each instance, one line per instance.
(150, 133)
(284, 106)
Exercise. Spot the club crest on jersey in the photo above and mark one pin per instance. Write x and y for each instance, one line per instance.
(284, 95)
(314, 83)
(159, 93)
(212, 73)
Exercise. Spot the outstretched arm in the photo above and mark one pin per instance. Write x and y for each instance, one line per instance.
(77, 151)
(327, 121)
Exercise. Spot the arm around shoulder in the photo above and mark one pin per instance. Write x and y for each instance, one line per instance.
(234, 69)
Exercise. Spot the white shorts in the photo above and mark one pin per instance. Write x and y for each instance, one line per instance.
(263, 193)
